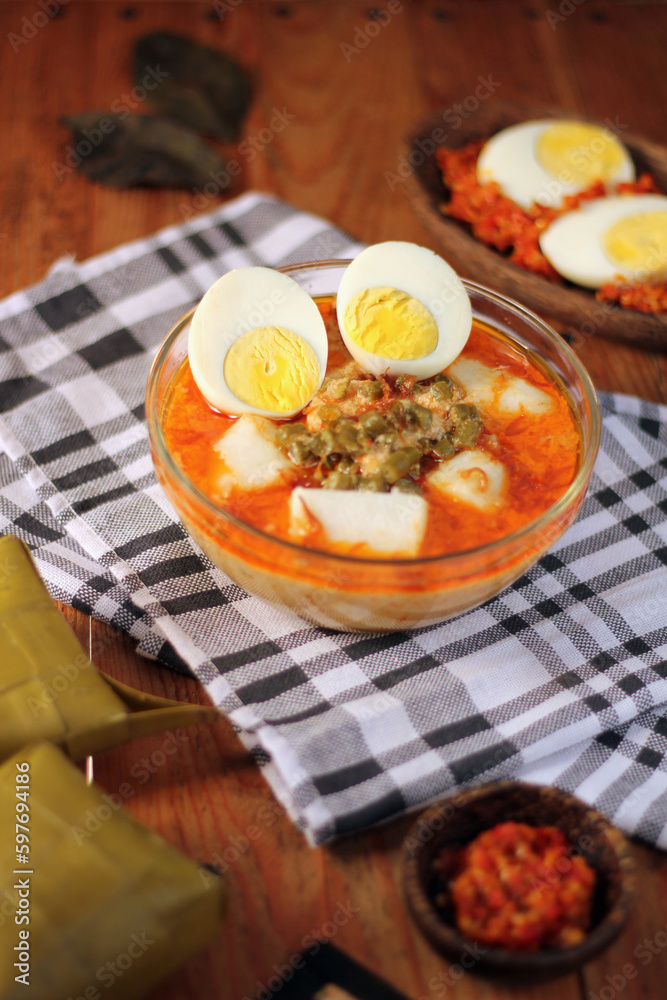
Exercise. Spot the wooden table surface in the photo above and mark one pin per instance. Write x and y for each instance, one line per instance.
(354, 86)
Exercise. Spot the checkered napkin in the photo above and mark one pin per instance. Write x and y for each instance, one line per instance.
(560, 679)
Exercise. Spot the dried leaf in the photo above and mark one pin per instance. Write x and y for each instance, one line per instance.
(200, 87)
(124, 151)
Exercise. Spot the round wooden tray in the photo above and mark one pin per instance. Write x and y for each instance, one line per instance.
(574, 309)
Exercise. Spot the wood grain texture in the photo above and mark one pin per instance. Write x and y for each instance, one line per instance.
(351, 109)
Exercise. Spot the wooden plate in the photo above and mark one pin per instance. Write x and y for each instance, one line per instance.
(457, 820)
(572, 308)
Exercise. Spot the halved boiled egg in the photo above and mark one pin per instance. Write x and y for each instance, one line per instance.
(606, 238)
(543, 161)
(257, 344)
(402, 311)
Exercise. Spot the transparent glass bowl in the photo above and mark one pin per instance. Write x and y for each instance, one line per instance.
(369, 595)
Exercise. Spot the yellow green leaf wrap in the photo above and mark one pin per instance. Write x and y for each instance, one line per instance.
(50, 690)
(111, 907)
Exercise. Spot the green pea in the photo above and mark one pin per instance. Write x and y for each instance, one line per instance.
(463, 411)
(286, 432)
(399, 463)
(323, 443)
(347, 464)
(300, 450)
(386, 440)
(373, 484)
(395, 414)
(340, 481)
(337, 388)
(373, 423)
(467, 425)
(465, 435)
(327, 413)
(406, 485)
(347, 438)
(442, 389)
(443, 448)
(371, 389)
(418, 416)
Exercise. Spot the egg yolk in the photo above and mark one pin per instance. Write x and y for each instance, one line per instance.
(638, 242)
(273, 369)
(585, 152)
(390, 323)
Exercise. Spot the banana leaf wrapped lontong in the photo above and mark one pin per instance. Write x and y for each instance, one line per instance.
(49, 688)
(92, 903)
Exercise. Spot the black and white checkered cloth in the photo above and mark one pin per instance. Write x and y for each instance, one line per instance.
(561, 679)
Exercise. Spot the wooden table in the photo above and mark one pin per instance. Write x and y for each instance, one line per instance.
(355, 85)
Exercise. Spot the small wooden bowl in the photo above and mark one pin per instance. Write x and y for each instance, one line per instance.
(576, 309)
(459, 819)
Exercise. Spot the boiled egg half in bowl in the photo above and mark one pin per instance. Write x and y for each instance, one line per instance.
(609, 238)
(402, 310)
(544, 160)
(257, 344)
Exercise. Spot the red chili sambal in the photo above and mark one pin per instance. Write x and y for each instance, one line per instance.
(647, 296)
(521, 887)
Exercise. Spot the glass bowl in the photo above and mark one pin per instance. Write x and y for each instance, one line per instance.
(361, 594)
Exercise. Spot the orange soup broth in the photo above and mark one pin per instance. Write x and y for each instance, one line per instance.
(541, 453)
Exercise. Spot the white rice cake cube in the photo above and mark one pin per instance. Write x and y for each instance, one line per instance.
(473, 477)
(477, 379)
(390, 523)
(251, 458)
(488, 388)
(519, 395)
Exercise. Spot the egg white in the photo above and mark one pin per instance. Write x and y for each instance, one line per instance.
(246, 299)
(424, 276)
(510, 159)
(573, 242)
